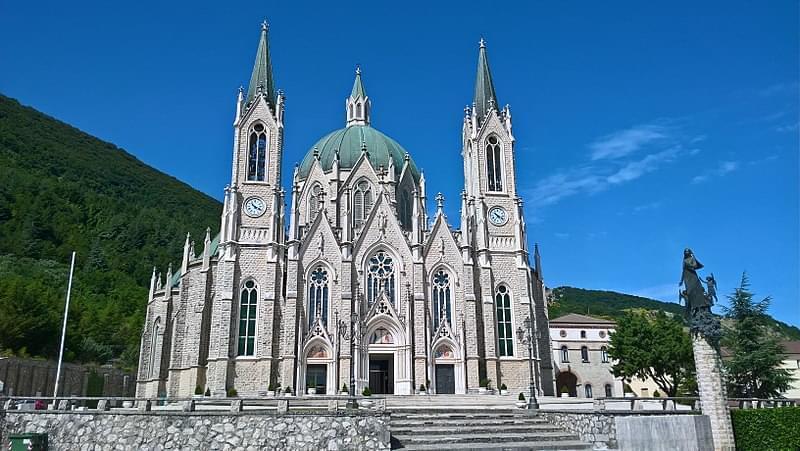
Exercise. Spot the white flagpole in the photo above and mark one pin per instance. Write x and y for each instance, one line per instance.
(64, 328)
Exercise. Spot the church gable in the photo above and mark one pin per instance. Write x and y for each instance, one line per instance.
(441, 246)
(313, 194)
(320, 242)
(381, 230)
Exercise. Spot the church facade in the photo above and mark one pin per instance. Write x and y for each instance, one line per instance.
(361, 280)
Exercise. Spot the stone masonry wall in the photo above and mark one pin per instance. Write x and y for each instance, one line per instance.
(198, 431)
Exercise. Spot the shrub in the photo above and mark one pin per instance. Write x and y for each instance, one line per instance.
(366, 392)
(232, 393)
(521, 397)
(757, 429)
(208, 392)
(656, 394)
(421, 387)
(344, 387)
(564, 389)
(485, 383)
(503, 387)
(271, 386)
(198, 390)
(288, 390)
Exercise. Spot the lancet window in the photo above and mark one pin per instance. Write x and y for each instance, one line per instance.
(318, 294)
(257, 155)
(380, 277)
(441, 298)
(494, 168)
(248, 303)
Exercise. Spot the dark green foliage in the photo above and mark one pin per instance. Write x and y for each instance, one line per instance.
(521, 397)
(208, 392)
(612, 305)
(766, 429)
(63, 190)
(232, 393)
(198, 390)
(652, 346)
(754, 369)
(366, 392)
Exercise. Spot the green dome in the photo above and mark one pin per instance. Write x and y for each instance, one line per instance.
(348, 141)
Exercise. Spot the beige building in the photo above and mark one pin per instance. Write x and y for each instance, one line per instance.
(271, 299)
(791, 362)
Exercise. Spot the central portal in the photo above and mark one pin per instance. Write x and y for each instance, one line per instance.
(381, 374)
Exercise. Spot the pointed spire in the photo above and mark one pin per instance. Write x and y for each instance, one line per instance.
(485, 97)
(261, 80)
(358, 104)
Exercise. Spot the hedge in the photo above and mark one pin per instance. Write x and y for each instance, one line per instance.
(767, 429)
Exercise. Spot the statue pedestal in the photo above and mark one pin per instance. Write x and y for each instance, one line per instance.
(713, 400)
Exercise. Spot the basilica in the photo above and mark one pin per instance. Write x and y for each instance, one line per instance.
(361, 281)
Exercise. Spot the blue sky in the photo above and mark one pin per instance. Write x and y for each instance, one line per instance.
(641, 129)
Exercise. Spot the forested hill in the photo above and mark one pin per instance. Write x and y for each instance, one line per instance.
(63, 190)
(612, 305)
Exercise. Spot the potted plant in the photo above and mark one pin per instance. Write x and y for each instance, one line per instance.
(232, 393)
(198, 392)
(564, 392)
(207, 393)
(287, 391)
(503, 389)
(366, 402)
(344, 389)
(484, 385)
(422, 390)
(311, 389)
(521, 401)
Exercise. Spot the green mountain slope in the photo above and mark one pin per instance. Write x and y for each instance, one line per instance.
(63, 190)
(612, 305)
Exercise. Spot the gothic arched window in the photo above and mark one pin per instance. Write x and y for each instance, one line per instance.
(358, 109)
(609, 391)
(505, 326)
(314, 201)
(257, 156)
(248, 302)
(588, 390)
(564, 354)
(318, 295)
(494, 169)
(604, 354)
(154, 346)
(380, 277)
(405, 208)
(584, 354)
(362, 202)
(441, 298)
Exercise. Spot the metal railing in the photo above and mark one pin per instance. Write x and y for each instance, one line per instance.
(685, 403)
(277, 404)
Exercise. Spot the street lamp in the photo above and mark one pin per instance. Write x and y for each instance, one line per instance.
(527, 338)
(355, 329)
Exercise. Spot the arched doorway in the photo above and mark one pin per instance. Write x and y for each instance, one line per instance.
(568, 381)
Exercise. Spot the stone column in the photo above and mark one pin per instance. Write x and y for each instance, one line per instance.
(713, 399)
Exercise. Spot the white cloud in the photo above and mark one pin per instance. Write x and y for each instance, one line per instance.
(724, 168)
(626, 142)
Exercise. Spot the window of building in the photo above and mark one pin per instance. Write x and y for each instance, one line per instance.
(318, 295)
(563, 333)
(314, 201)
(248, 301)
(604, 354)
(494, 169)
(380, 277)
(602, 334)
(584, 354)
(609, 392)
(362, 202)
(564, 354)
(505, 326)
(583, 334)
(154, 351)
(257, 156)
(588, 389)
(405, 208)
(441, 298)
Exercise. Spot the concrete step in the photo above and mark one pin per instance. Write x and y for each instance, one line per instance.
(453, 437)
(428, 430)
(565, 445)
(466, 422)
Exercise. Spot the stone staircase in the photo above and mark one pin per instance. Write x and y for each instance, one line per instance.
(465, 428)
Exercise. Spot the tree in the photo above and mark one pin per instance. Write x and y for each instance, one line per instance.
(754, 370)
(652, 346)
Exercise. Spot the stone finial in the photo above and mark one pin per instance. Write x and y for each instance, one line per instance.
(439, 200)
(264, 25)
(482, 43)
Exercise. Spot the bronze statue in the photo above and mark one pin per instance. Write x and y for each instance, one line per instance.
(698, 303)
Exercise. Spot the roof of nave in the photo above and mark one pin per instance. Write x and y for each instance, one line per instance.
(575, 318)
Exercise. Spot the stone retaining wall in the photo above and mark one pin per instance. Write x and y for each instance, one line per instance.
(598, 427)
(202, 431)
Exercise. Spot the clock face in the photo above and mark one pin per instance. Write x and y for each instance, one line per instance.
(498, 216)
(254, 207)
